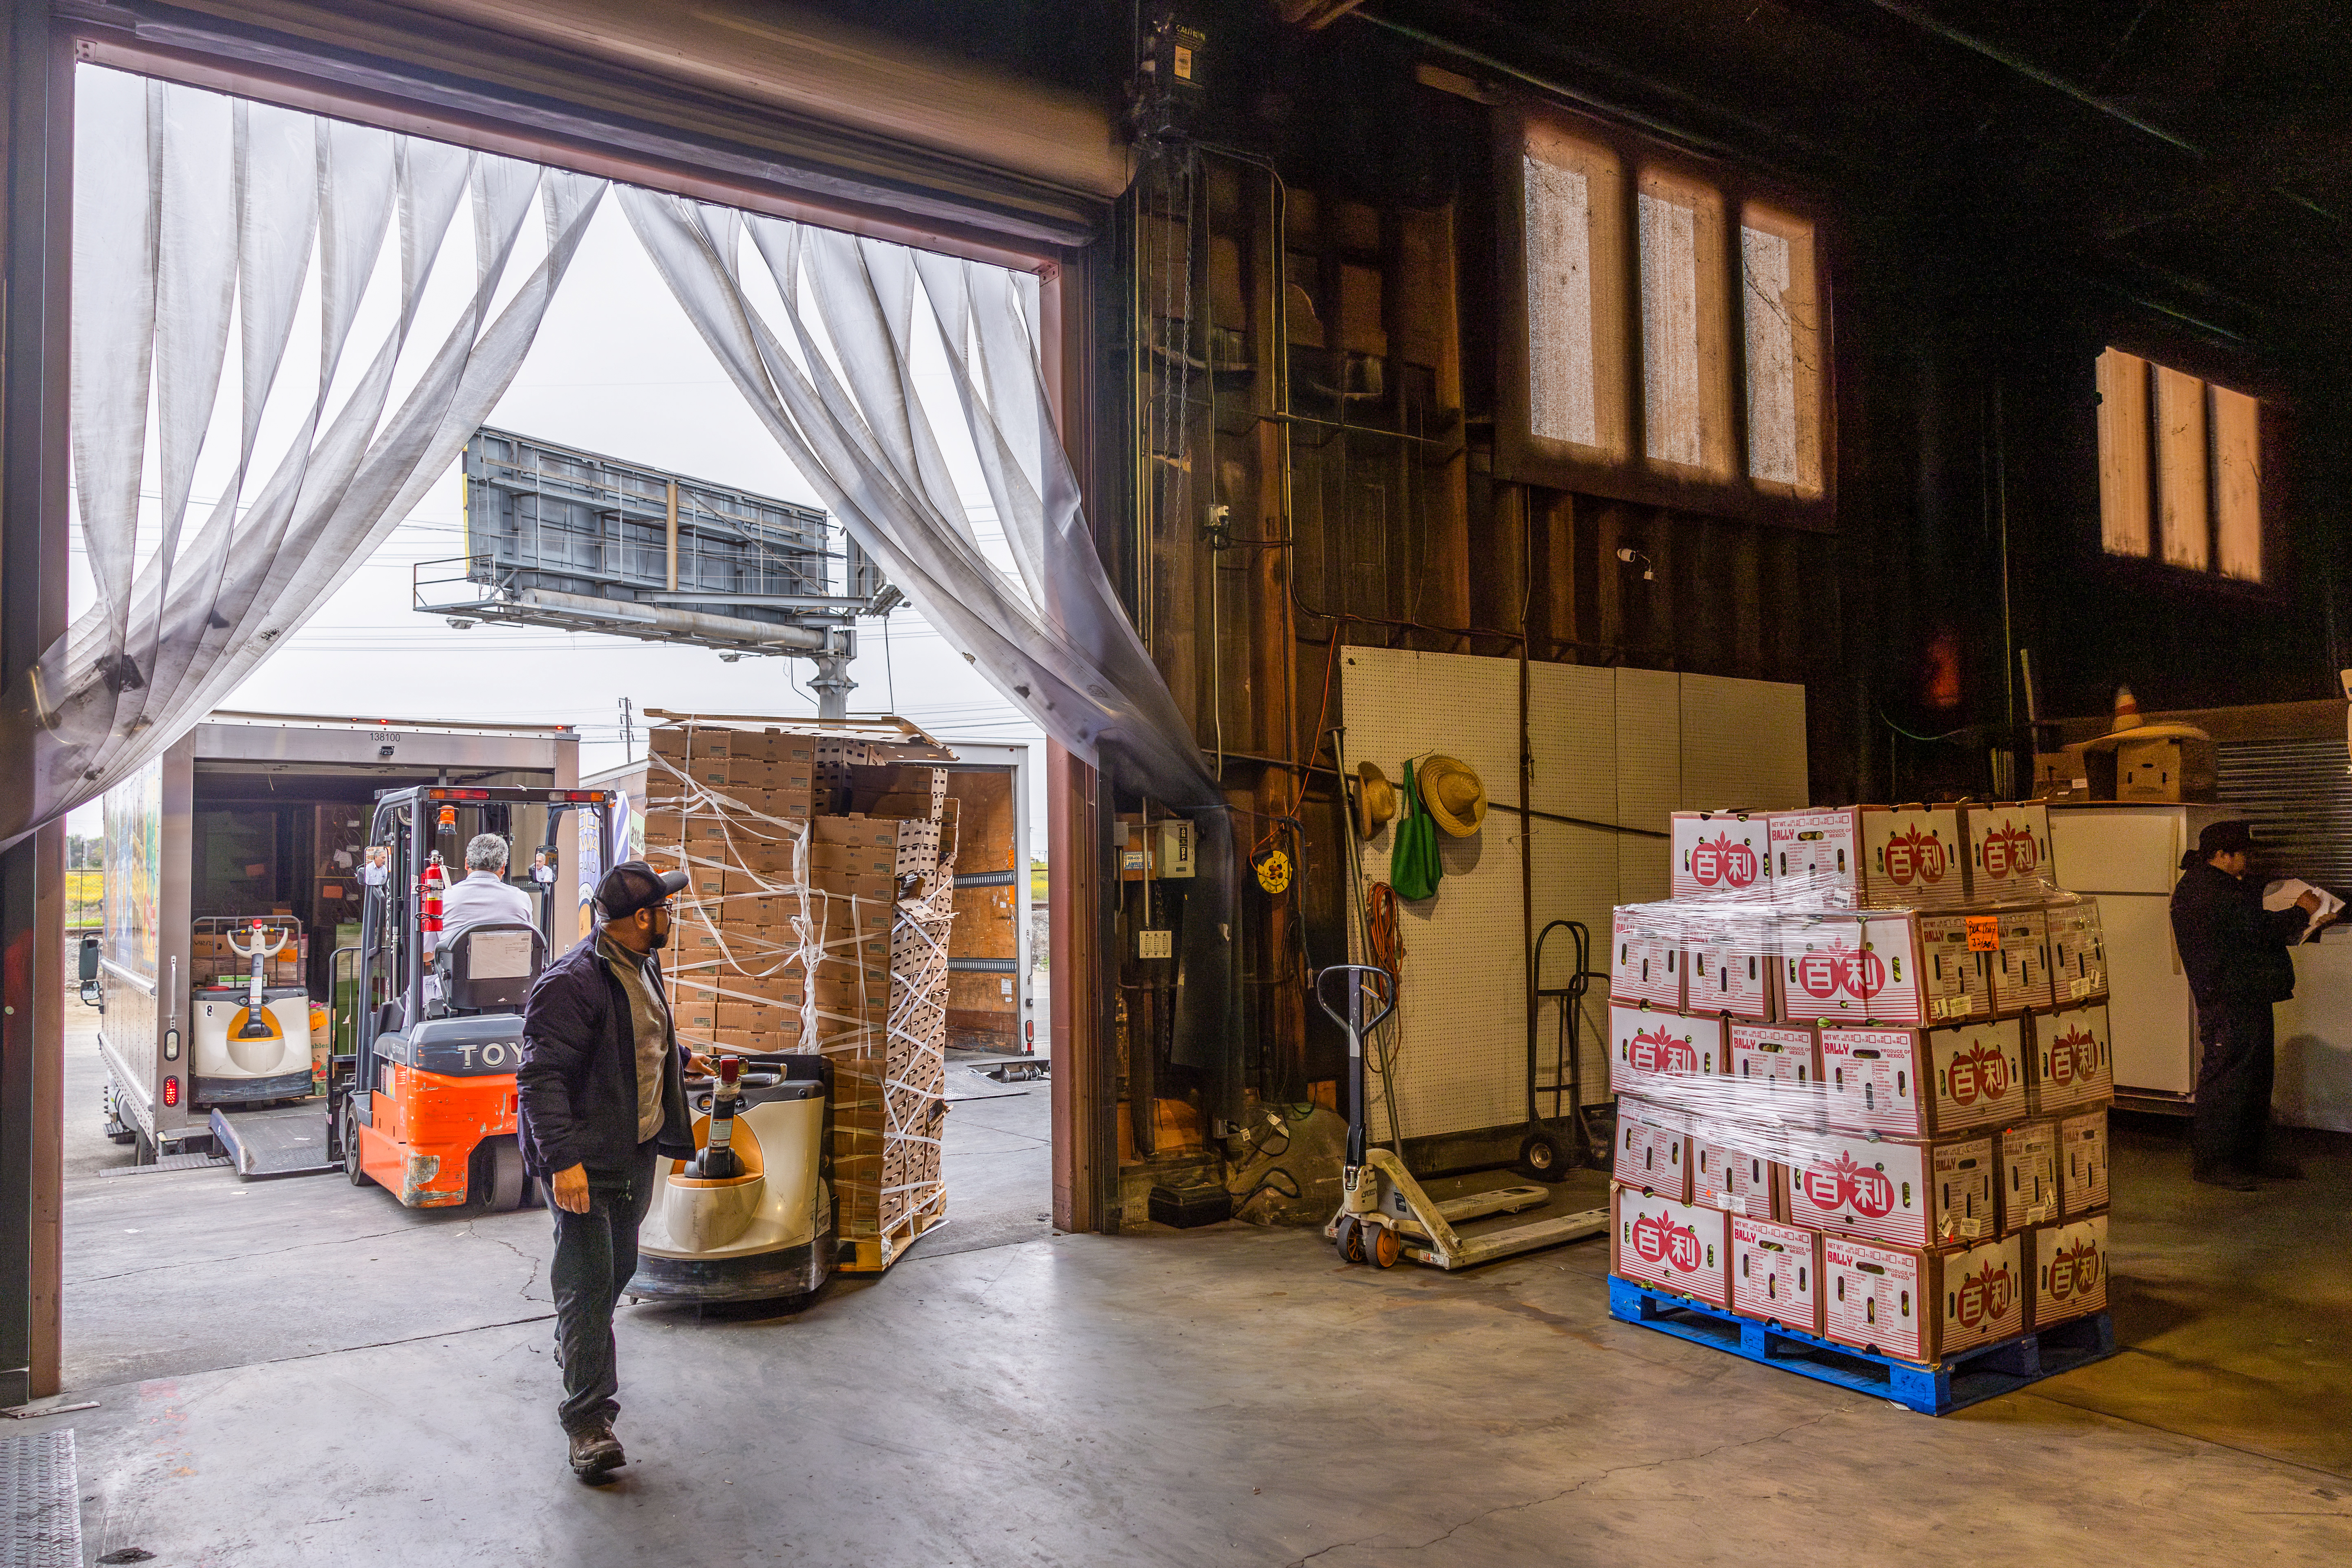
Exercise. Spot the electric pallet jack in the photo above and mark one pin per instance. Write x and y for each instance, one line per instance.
(1384, 1215)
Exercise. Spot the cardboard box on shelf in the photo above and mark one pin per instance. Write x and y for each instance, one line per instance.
(1957, 954)
(2072, 1063)
(2008, 851)
(1775, 1271)
(2178, 768)
(1652, 1153)
(2083, 1163)
(1908, 1191)
(1918, 1305)
(1644, 964)
(1646, 1044)
(2078, 952)
(1783, 1062)
(1670, 1246)
(2068, 1265)
(2020, 976)
(1912, 857)
(2025, 1158)
(1862, 968)
(1815, 852)
(1720, 852)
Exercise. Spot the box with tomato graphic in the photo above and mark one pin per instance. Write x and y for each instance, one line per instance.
(1646, 1044)
(1816, 853)
(1775, 1274)
(1652, 1153)
(1719, 853)
(2069, 1268)
(1858, 968)
(1670, 1246)
(2083, 1164)
(2020, 970)
(2078, 952)
(1923, 1082)
(1907, 1191)
(1957, 954)
(2026, 1175)
(2073, 1066)
(2007, 849)
(1918, 1305)
(1912, 857)
(1645, 957)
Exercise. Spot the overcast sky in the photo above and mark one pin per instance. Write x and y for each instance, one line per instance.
(616, 368)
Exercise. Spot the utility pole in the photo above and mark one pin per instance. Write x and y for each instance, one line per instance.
(832, 683)
(628, 735)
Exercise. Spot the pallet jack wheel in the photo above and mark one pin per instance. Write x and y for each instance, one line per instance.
(1350, 1239)
(1384, 1245)
(357, 1177)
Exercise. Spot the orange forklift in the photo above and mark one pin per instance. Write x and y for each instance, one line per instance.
(425, 1105)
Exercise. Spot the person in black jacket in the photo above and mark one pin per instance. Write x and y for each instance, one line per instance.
(603, 1098)
(2235, 953)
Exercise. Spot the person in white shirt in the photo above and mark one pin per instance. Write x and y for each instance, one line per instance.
(484, 896)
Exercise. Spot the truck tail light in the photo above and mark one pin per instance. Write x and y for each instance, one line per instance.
(172, 1090)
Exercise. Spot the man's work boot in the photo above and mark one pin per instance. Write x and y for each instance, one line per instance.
(595, 1453)
(2228, 1176)
(2279, 1168)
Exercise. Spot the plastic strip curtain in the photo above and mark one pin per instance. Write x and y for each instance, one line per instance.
(192, 209)
(844, 407)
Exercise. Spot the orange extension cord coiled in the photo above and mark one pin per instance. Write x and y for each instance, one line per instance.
(1381, 938)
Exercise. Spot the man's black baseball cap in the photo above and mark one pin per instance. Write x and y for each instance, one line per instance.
(2223, 837)
(631, 886)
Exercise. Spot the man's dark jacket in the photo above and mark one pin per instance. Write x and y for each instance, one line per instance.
(578, 1082)
(2234, 948)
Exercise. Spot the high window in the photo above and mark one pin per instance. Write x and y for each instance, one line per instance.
(2179, 468)
(1673, 338)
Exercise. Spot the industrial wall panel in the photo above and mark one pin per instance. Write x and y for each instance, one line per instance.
(1572, 731)
(1575, 879)
(1743, 745)
(1649, 748)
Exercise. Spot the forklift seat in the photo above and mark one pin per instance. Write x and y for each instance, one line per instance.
(490, 967)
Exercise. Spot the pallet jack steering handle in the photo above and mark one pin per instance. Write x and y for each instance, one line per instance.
(1353, 1019)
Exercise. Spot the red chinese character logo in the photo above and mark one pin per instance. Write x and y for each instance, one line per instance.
(2010, 851)
(2072, 1055)
(1981, 1069)
(1722, 863)
(1845, 1184)
(1656, 1239)
(1985, 1296)
(1657, 1051)
(2074, 1271)
(1837, 969)
(1915, 854)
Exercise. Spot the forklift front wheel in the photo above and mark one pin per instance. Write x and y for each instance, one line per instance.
(351, 1146)
(1385, 1245)
(1350, 1239)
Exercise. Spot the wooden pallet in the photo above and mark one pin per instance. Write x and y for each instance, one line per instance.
(1969, 1378)
(872, 1255)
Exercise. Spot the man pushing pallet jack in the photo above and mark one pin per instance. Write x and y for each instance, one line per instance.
(1384, 1215)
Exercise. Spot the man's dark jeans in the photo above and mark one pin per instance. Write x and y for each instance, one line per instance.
(596, 1253)
(2234, 1085)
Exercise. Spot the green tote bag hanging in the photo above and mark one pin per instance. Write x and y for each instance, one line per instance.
(1413, 867)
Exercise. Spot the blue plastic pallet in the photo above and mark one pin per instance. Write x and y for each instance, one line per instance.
(1969, 1378)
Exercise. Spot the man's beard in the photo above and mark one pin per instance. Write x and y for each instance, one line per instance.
(656, 940)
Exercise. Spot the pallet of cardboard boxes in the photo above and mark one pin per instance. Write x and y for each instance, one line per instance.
(820, 894)
(1896, 1149)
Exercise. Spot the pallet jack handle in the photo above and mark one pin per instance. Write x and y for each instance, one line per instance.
(1357, 1026)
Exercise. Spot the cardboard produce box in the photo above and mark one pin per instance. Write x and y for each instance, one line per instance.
(1907, 1191)
(1778, 1067)
(1652, 1154)
(2083, 1163)
(1740, 1176)
(2073, 1065)
(2078, 953)
(1646, 1046)
(1921, 1306)
(1775, 1272)
(1913, 857)
(1976, 1075)
(2020, 976)
(1859, 968)
(2026, 1173)
(1815, 853)
(1731, 977)
(1957, 951)
(1670, 1246)
(2068, 1265)
(1871, 1079)
(1720, 852)
(2008, 851)
(1923, 1082)
(1644, 965)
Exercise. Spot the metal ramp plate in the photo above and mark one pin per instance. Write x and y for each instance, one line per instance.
(40, 1513)
(288, 1142)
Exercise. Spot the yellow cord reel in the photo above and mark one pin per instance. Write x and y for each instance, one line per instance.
(1274, 871)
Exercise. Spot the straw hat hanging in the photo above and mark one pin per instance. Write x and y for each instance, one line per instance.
(1373, 800)
(1451, 790)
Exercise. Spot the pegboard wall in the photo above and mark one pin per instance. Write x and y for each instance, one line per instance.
(1623, 747)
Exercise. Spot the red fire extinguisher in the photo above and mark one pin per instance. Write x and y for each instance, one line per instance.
(428, 903)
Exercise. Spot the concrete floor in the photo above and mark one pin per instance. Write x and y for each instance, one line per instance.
(302, 1373)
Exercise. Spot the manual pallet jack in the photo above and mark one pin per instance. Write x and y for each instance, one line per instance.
(1384, 1215)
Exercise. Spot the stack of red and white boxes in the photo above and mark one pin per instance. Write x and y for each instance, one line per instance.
(1863, 1072)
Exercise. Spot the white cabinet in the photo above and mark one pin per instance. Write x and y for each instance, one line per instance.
(2128, 856)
